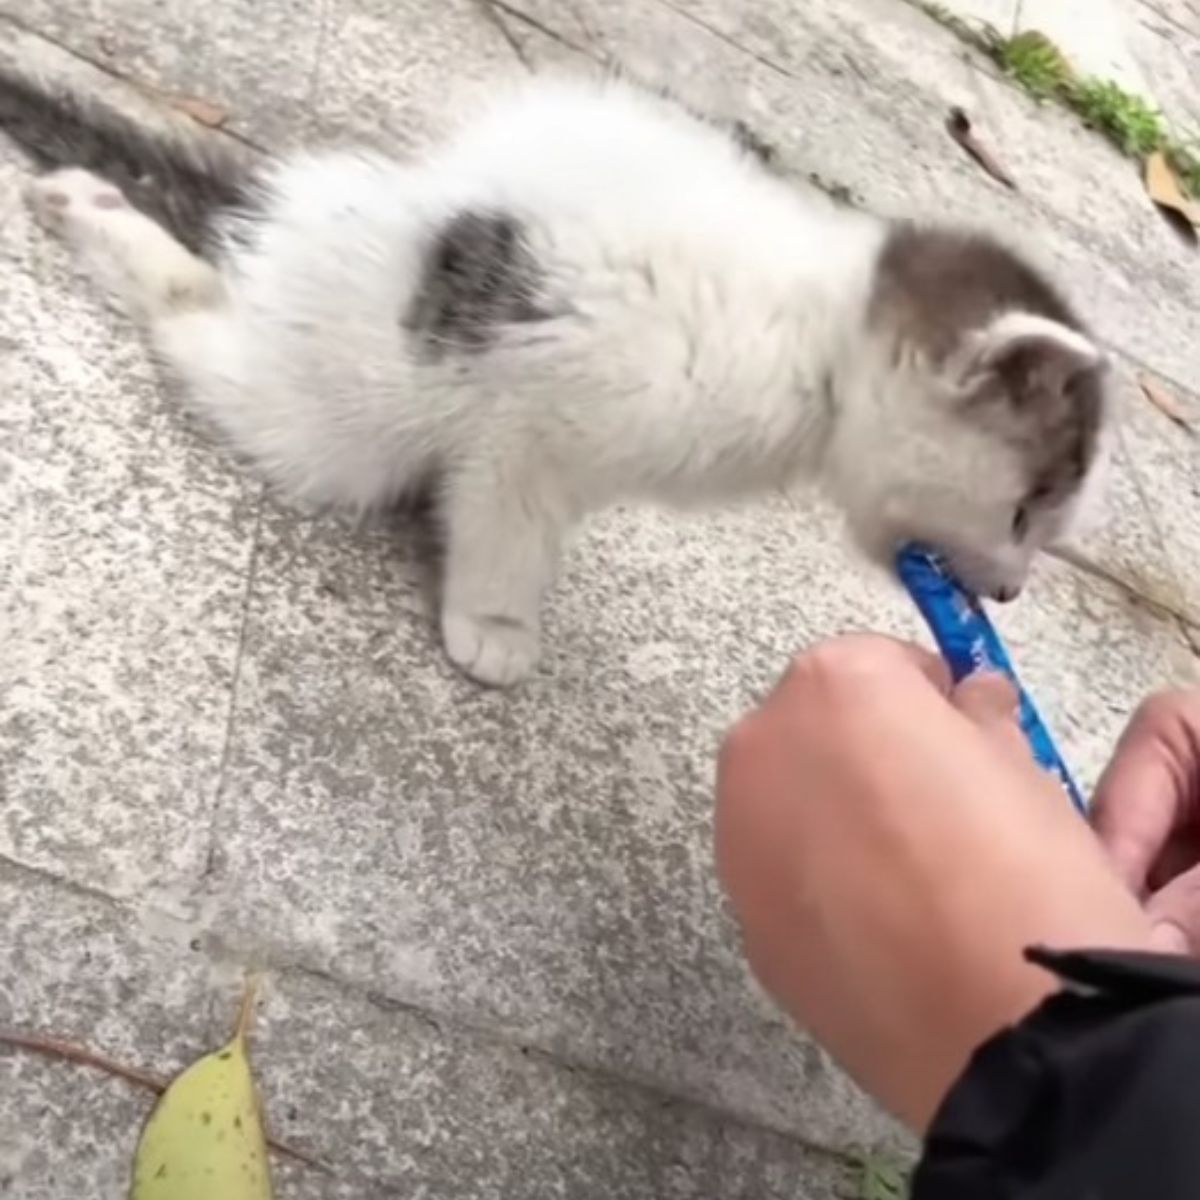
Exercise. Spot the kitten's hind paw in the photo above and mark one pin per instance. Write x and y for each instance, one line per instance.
(131, 255)
(496, 651)
(68, 201)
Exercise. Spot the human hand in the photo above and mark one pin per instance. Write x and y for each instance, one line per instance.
(1147, 813)
(890, 850)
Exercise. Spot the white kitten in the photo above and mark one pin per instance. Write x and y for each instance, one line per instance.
(589, 295)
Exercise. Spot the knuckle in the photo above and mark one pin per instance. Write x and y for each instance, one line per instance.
(1171, 706)
(991, 690)
(844, 658)
(851, 657)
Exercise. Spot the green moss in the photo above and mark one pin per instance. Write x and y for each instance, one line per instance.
(882, 1177)
(1038, 66)
(1134, 127)
(1125, 119)
(1186, 161)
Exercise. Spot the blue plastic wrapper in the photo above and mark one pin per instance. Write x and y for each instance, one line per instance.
(968, 641)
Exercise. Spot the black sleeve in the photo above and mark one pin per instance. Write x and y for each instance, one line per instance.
(1094, 1096)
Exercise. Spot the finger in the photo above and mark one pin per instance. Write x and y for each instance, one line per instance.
(932, 666)
(1175, 911)
(883, 654)
(872, 660)
(1133, 813)
(1144, 793)
(1168, 938)
(987, 697)
(990, 701)
(1180, 853)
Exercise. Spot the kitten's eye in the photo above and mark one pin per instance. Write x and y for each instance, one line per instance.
(1020, 523)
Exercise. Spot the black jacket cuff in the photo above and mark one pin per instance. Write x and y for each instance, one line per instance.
(1094, 1094)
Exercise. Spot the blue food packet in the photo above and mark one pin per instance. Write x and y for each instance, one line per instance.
(968, 641)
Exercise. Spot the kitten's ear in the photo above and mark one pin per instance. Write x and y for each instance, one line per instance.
(1034, 355)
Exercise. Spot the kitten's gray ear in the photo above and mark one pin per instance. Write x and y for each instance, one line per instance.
(1035, 355)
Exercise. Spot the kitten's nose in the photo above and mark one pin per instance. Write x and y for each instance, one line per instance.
(1006, 593)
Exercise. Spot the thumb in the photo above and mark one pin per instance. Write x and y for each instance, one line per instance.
(1168, 938)
(1174, 911)
(989, 701)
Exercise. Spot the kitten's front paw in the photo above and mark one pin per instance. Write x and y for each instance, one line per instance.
(493, 650)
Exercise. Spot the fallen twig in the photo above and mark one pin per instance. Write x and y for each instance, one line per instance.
(958, 126)
(52, 1047)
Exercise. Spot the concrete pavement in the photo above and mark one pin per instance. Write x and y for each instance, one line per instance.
(496, 960)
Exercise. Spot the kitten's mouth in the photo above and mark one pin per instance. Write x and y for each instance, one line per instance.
(983, 579)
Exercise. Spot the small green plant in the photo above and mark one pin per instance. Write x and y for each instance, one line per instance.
(1036, 63)
(1134, 127)
(1127, 120)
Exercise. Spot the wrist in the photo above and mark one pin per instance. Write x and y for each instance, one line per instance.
(998, 987)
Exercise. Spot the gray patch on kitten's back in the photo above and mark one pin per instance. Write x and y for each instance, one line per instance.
(478, 276)
(933, 286)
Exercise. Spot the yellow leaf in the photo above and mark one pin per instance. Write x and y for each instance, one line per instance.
(204, 1139)
(1165, 190)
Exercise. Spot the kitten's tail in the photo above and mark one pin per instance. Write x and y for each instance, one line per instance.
(180, 182)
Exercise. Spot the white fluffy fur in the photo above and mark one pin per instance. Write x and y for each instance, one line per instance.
(713, 345)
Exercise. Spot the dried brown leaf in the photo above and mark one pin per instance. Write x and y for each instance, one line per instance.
(1165, 190)
(204, 112)
(1166, 403)
(958, 126)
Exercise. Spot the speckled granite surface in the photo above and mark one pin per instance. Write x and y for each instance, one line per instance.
(496, 960)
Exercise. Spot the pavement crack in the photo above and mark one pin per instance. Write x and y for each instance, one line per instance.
(98, 64)
(1136, 360)
(1088, 566)
(1168, 18)
(146, 91)
(231, 718)
(728, 38)
(459, 1026)
(45, 875)
(499, 6)
(314, 74)
(492, 14)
